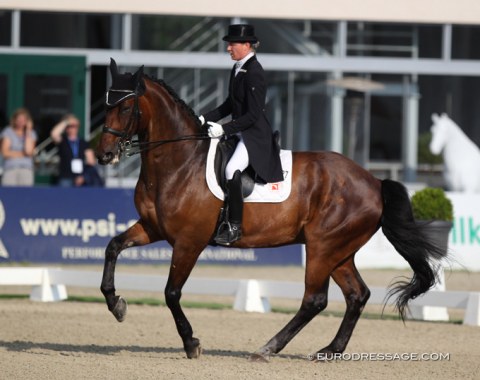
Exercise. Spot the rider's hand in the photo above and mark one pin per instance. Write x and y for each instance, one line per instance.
(215, 129)
(202, 119)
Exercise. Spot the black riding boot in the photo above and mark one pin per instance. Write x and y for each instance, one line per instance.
(231, 230)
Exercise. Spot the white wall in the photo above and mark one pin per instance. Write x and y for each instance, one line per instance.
(411, 11)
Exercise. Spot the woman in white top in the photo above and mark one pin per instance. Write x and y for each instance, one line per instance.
(17, 147)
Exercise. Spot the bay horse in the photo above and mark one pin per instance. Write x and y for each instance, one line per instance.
(334, 208)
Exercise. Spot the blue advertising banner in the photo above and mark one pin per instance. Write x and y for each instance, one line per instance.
(62, 225)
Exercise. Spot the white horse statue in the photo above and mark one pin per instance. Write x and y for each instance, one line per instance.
(461, 156)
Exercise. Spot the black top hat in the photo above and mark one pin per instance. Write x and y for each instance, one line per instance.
(241, 33)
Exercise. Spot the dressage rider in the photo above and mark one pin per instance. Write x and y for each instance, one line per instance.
(246, 104)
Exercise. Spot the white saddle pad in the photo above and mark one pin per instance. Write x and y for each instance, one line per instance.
(269, 193)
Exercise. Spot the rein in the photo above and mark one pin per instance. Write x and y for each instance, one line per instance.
(135, 147)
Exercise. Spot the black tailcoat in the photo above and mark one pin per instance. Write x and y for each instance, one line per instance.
(246, 104)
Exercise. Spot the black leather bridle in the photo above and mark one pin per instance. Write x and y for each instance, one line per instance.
(133, 120)
(132, 147)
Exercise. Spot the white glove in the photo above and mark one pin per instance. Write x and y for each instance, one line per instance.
(202, 119)
(215, 130)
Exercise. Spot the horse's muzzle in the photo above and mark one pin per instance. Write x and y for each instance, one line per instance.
(105, 158)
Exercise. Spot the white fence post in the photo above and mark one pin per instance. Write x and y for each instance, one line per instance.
(248, 298)
(45, 292)
(49, 284)
(472, 312)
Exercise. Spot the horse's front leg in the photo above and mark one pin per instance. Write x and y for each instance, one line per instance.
(136, 235)
(183, 261)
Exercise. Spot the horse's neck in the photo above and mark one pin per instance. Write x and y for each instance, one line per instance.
(173, 158)
(458, 139)
(459, 150)
(180, 143)
(172, 119)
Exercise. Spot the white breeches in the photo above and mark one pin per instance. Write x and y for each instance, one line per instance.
(239, 160)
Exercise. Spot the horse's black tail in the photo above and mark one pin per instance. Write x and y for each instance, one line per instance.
(410, 240)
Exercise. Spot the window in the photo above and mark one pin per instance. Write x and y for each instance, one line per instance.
(465, 42)
(429, 41)
(296, 37)
(5, 28)
(394, 40)
(154, 32)
(380, 40)
(48, 97)
(71, 30)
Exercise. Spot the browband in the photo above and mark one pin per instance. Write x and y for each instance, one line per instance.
(128, 94)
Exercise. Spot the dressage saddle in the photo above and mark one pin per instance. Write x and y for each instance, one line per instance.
(225, 149)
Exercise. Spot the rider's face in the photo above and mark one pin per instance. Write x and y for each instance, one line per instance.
(238, 50)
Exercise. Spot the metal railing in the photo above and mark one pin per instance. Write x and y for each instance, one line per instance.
(201, 37)
(431, 175)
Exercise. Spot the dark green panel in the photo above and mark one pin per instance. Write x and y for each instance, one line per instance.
(48, 85)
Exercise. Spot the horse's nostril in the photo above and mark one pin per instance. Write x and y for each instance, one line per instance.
(105, 159)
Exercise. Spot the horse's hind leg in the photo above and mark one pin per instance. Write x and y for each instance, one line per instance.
(315, 300)
(356, 296)
(134, 236)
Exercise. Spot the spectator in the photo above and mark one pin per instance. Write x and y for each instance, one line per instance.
(77, 159)
(17, 147)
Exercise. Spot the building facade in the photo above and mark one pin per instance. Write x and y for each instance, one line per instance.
(361, 78)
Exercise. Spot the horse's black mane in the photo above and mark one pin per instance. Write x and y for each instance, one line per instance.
(176, 98)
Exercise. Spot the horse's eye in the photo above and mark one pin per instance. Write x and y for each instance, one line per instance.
(124, 110)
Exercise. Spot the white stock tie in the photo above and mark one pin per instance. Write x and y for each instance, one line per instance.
(238, 65)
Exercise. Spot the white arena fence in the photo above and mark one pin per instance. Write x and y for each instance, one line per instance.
(50, 284)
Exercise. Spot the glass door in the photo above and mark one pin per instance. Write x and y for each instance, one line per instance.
(3, 100)
(49, 86)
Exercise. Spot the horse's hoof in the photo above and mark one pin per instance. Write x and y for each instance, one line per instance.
(194, 350)
(258, 358)
(120, 310)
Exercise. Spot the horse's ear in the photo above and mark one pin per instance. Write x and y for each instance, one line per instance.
(113, 68)
(435, 117)
(138, 74)
(139, 82)
(444, 114)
